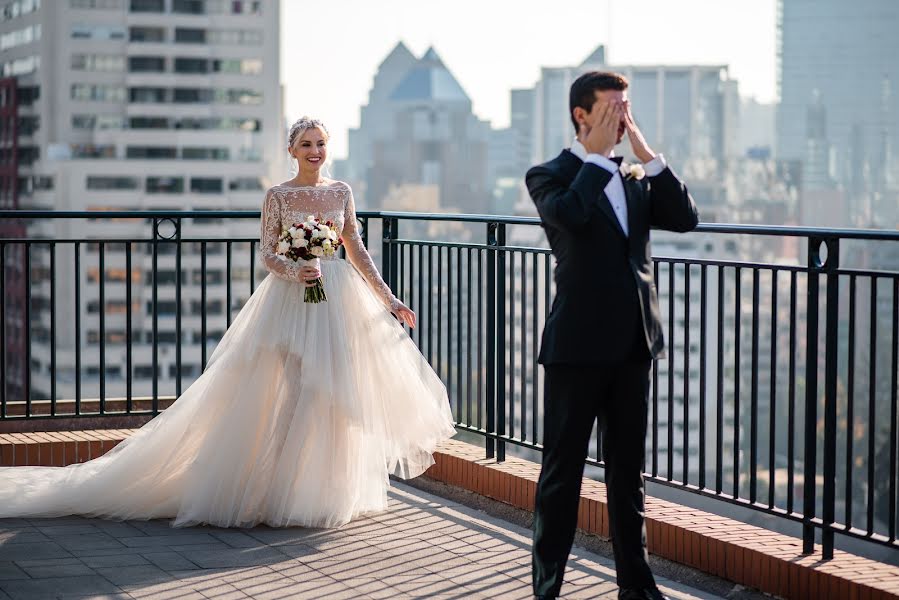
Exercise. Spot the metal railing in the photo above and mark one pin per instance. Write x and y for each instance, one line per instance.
(779, 393)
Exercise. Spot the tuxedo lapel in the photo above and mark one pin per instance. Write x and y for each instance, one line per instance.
(571, 164)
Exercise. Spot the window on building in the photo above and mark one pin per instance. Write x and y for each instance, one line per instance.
(28, 155)
(150, 95)
(95, 182)
(165, 185)
(42, 182)
(190, 35)
(28, 95)
(20, 37)
(146, 64)
(153, 6)
(151, 152)
(206, 185)
(213, 307)
(21, 66)
(246, 66)
(92, 150)
(236, 96)
(191, 65)
(97, 32)
(205, 153)
(188, 371)
(245, 184)
(147, 34)
(166, 307)
(192, 95)
(148, 123)
(101, 122)
(98, 92)
(98, 62)
(235, 37)
(29, 125)
(189, 7)
(96, 4)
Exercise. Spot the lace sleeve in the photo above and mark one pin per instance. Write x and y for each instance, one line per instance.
(361, 259)
(271, 231)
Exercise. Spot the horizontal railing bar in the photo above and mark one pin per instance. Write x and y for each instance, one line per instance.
(725, 228)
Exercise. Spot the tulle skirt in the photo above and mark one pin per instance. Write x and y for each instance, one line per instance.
(302, 413)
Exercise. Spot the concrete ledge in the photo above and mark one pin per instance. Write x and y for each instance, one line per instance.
(744, 554)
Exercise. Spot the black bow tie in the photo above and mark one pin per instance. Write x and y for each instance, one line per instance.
(617, 159)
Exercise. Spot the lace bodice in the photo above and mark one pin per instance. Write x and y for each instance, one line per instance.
(285, 205)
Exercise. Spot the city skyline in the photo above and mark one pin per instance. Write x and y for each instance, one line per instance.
(485, 71)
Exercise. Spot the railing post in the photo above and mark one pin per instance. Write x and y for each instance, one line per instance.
(389, 230)
(831, 265)
(496, 341)
(809, 459)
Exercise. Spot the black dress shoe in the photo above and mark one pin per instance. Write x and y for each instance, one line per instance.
(641, 594)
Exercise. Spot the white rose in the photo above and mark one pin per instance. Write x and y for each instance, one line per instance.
(317, 234)
(300, 242)
(637, 172)
(317, 251)
(283, 247)
(310, 219)
(294, 232)
(332, 235)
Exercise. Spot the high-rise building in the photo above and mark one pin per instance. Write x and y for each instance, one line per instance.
(418, 129)
(843, 56)
(685, 111)
(144, 105)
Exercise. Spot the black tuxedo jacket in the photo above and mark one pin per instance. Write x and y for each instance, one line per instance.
(606, 308)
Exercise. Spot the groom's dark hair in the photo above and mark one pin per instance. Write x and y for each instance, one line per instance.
(584, 88)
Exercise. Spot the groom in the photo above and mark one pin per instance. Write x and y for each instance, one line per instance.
(604, 329)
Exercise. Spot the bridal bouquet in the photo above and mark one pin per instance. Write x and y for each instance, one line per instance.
(309, 241)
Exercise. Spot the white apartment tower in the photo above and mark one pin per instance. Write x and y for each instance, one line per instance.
(140, 105)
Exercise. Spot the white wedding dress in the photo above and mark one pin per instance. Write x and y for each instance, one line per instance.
(302, 413)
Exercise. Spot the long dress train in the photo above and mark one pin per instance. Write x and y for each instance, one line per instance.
(300, 416)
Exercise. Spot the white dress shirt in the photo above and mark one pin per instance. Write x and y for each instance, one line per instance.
(615, 188)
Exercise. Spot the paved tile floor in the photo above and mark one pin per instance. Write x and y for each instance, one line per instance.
(424, 547)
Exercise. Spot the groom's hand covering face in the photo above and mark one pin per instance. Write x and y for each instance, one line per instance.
(604, 125)
(617, 99)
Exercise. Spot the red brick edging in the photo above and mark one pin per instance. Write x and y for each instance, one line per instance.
(745, 554)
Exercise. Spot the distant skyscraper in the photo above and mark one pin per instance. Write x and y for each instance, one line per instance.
(418, 129)
(521, 121)
(846, 52)
(140, 104)
(686, 111)
(757, 137)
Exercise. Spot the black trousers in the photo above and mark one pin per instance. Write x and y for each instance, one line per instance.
(575, 397)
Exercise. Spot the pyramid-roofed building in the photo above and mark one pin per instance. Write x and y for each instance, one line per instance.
(418, 129)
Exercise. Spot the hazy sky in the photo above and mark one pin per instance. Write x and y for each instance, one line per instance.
(331, 50)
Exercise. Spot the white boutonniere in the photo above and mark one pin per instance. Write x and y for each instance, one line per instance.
(634, 171)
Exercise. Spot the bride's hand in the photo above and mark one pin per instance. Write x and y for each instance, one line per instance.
(309, 275)
(404, 314)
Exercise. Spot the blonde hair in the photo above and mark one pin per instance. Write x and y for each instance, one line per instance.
(300, 126)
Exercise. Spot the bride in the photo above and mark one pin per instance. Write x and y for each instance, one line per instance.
(304, 409)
